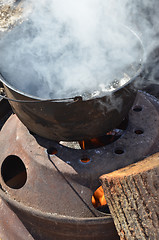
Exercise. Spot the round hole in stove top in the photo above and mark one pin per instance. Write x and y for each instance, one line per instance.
(119, 151)
(52, 151)
(137, 109)
(13, 172)
(85, 160)
(139, 131)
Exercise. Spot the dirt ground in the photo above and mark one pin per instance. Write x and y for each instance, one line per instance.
(10, 14)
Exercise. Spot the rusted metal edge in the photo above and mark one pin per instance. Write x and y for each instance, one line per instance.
(11, 227)
(107, 218)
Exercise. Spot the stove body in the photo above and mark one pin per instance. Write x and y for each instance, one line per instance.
(46, 188)
(51, 197)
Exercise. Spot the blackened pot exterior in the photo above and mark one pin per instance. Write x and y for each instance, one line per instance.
(73, 120)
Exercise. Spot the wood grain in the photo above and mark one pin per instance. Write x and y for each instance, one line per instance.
(132, 195)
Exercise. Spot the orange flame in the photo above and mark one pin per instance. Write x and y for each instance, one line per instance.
(95, 141)
(98, 198)
(82, 144)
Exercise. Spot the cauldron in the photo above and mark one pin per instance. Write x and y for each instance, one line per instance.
(75, 118)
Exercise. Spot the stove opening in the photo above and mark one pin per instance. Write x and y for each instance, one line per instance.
(106, 139)
(13, 172)
(99, 201)
(101, 141)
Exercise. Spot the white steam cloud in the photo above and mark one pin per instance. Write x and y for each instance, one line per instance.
(66, 48)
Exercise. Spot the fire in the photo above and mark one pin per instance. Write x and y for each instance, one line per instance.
(96, 142)
(92, 143)
(98, 198)
(83, 145)
(101, 141)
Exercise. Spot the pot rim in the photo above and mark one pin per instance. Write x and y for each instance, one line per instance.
(102, 94)
(108, 93)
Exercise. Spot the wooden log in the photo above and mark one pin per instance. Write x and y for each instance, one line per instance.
(132, 194)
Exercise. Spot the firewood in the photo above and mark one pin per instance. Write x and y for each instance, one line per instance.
(132, 194)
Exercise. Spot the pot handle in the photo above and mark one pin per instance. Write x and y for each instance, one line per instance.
(3, 95)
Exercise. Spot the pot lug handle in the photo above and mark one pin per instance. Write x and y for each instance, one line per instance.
(3, 95)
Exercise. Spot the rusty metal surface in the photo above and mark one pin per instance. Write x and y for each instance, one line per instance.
(10, 225)
(52, 227)
(47, 177)
(59, 187)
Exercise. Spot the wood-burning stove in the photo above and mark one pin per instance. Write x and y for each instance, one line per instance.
(48, 186)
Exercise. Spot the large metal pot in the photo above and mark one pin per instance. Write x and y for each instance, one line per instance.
(72, 119)
(76, 118)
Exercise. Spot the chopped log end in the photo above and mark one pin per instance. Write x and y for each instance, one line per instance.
(148, 164)
(132, 195)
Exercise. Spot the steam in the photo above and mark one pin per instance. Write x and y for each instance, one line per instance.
(66, 48)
